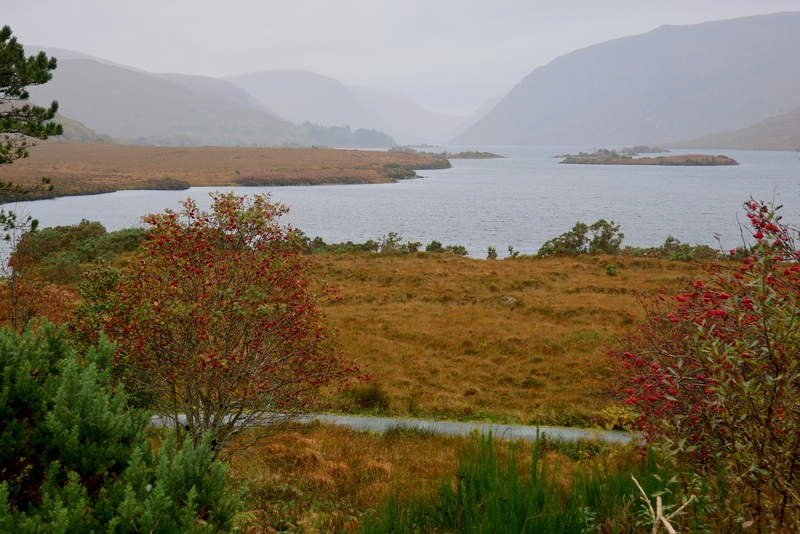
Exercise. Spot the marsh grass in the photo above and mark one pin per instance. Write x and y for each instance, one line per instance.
(320, 478)
(531, 490)
(516, 340)
(91, 168)
(324, 478)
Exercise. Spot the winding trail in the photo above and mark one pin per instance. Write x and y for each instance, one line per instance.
(453, 428)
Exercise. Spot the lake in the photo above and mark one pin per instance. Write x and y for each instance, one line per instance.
(522, 200)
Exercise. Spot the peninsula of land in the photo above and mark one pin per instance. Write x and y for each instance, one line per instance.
(468, 154)
(91, 168)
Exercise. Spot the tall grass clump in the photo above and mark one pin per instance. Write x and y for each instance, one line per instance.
(537, 493)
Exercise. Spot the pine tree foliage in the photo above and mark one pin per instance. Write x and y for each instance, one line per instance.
(75, 459)
(17, 123)
(21, 123)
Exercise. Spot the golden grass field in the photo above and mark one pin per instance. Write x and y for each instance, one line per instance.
(516, 340)
(87, 168)
(447, 337)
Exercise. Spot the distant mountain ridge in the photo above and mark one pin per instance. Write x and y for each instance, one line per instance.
(675, 82)
(130, 105)
(265, 107)
(173, 109)
(301, 96)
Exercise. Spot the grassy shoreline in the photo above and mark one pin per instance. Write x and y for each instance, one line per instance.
(96, 168)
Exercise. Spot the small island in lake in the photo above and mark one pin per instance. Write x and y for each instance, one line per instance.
(604, 156)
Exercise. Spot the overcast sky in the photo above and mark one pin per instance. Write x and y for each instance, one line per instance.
(447, 55)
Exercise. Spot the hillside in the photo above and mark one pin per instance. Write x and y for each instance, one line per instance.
(130, 105)
(137, 107)
(214, 88)
(781, 132)
(301, 96)
(675, 82)
(78, 132)
(220, 107)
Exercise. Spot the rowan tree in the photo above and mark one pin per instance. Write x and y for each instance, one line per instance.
(715, 374)
(217, 318)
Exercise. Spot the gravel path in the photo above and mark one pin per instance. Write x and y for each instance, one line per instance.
(514, 432)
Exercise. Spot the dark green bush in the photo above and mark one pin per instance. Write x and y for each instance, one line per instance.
(605, 239)
(75, 459)
(437, 247)
(62, 253)
(434, 246)
(396, 171)
(673, 249)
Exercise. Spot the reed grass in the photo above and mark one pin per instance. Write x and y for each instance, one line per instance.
(534, 493)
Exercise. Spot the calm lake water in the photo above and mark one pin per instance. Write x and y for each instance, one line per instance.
(522, 200)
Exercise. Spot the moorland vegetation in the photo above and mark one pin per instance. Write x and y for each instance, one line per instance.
(228, 315)
(531, 331)
(90, 168)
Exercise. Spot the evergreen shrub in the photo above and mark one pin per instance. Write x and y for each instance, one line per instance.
(75, 459)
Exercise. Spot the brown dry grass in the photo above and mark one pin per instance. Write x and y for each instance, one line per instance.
(86, 168)
(321, 478)
(517, 340)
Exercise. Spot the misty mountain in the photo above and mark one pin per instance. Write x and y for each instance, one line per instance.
(301, 96)
(408, 122)
(781, 132)
(675, 82)
(134, 106)
(294, 96)
(216, 89)
(62, 54)
(486, 106)
(126, 104)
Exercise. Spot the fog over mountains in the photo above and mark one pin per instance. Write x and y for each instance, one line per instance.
(673, 83)
(302, 96)
(264, 108)
(724, 84)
